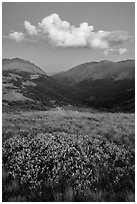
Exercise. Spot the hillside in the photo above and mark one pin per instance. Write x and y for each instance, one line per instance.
(27, 86)
(107, 84)
(98, 70)
(102, 85)
(18, 65)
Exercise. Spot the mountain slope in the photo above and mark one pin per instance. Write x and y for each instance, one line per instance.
(104, 84)
(107, 84)
(18, 65)
(26, 86)
(98, 70)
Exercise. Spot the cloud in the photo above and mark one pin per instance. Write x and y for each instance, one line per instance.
(105, 39)
(117, 37)
(62, 34)
(17, 36)
(115, 51)
(122, 50)
(31, 29)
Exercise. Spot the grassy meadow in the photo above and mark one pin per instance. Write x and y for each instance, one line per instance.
(68, 155)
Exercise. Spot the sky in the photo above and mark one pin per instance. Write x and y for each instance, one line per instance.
(60, 35)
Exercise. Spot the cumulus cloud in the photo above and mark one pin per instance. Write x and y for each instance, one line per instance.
(17, 36)
(31, 29)
(62, 34)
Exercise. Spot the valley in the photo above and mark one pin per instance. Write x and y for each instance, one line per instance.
(68, 137)
(107, 84)
(68, 101)
(101, 85)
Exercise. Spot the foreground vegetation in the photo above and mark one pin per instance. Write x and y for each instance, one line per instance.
(64, 155)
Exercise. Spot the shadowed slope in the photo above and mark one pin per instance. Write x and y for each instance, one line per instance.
(107, 84)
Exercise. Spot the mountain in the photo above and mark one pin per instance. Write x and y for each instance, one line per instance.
(102, 85)
(26, 86)
(109, 85)
(98, 70)
(19, 65)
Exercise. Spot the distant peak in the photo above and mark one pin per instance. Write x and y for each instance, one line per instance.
(21, 64)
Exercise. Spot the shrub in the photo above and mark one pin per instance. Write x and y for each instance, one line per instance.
(67, 167)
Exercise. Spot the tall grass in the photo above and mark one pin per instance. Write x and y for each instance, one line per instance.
(118, 127)
(68, 156)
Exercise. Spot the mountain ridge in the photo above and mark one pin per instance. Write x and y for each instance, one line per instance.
(17, 63)
(103, 85)
(94, 70)
(108, 84)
